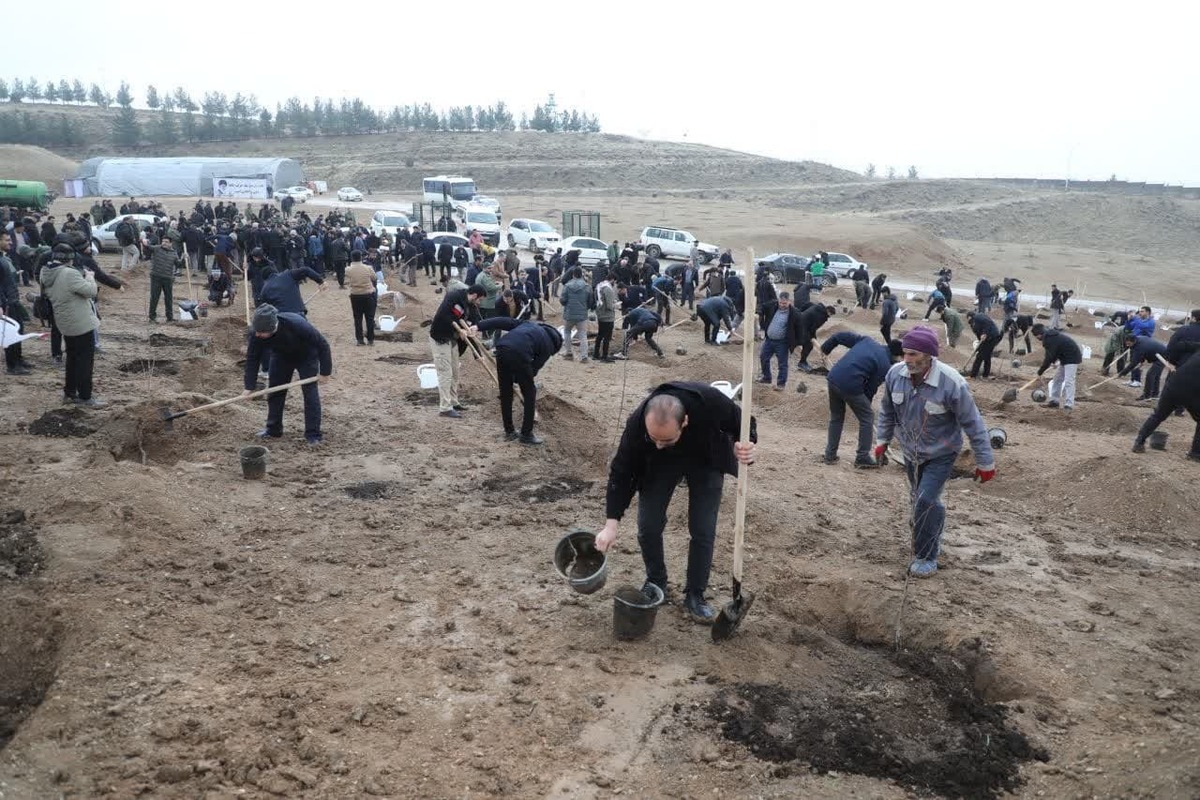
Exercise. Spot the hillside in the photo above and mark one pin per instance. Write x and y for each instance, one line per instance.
(21, 162)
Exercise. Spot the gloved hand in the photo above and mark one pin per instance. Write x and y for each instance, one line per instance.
(984, 475)
(879, 450)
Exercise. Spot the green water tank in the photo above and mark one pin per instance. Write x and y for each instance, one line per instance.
(23, 194)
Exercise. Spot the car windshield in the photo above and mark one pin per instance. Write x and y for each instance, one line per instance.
(540, 227)
(396, 222)
(482, 217)
(462, 191)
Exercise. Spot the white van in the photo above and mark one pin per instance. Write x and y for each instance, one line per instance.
(470, 217)
(448, 189)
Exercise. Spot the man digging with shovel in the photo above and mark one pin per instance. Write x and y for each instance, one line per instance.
(296, 346)
(683, 430)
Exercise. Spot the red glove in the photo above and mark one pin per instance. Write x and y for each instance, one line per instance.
(879, 450)
(984, 475)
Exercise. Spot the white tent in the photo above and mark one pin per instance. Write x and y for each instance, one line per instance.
(191, 177)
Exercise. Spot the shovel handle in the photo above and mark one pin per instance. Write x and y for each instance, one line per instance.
(743, 479)
(251, 396)
(1170, 367)
(1029, 383)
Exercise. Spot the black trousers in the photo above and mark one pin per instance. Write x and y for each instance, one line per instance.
(513, 368)
(648, 329)
(983, 356)
(711, 326)
(81, 357)
(663, 308)
(1178, 394)
(362, 306)
(886, 332)
(603, 338)
(340, 268)
(12, 353)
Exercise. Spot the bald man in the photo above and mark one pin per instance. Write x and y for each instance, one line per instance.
(682, 430)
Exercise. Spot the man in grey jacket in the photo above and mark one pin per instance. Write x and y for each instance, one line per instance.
(928, 406)
(72, 295)
(163, 264)
(606, 318)
(574, 299)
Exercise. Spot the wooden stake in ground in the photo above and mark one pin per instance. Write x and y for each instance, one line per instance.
(246, 289)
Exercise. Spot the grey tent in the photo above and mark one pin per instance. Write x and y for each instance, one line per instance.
(192, 177)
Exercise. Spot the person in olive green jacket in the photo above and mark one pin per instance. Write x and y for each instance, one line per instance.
(606, 318)
(954, 325)
(491, 280)
(163, 263)
(72, 295)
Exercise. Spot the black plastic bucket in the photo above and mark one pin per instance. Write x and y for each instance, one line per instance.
(1158, 441)
(577, 559)
(997, 437)
(254, 462)
(634, 611)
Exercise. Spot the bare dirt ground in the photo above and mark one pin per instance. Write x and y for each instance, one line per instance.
(381, 617)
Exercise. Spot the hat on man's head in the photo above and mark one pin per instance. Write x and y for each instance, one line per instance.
(265, 319)
(921, 339)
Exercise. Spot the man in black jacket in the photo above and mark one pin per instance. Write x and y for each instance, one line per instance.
(877, 284)
(889, 310)
(1182, 393)
(1145, 349)
(1061, 348)
(989, 336)
(811, 320)
(983, 295)
(1178, 349)
(520, 354)
(295, 347)
(282, 290)
(783, 328)
(641, 322)
(683, 430)
(446, 342)
(259, 267)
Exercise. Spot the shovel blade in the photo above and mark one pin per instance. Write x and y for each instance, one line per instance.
(731, 616)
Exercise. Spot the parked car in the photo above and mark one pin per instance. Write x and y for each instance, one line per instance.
(298, 193)
(674, 243)
(591, 251)
(105, 236)
(452, 239)
(349, 194)
(390, 222)
(842, 265)
(785, 267)
(479, 218)
(532, 233)
(487, 202)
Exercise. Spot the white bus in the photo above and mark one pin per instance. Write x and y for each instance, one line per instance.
(448, 189)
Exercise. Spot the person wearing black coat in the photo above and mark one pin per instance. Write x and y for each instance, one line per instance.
(445, 256)
(446, 342)
(1061, 348)
(683, 430)
(764, 293)
(811, 320)
(1182, 393)
(1178, 348)
(736, 292)
(294, 347)
(877, 289)
(989, 336)
(888, 313)
(639, 322)
(520, 354)
(1145, 349)
(428, 255)
(282, 290)
(783, 328)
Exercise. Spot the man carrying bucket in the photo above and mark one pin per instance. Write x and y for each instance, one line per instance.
(683, 430)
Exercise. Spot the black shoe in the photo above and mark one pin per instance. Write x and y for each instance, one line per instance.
(531, 438)
(58, 360)
(865, 464)
(804, 367)
(511, 436)
(1139, 446)
(829, 459)
(451, 413)
(459, 407)
(312, 441)
(361, 344)
(19, 370)
(266, 433)
(25, 364)
(92, 402)
(1193, 456)
(1052, 404)
(648, 589)
(699, 611)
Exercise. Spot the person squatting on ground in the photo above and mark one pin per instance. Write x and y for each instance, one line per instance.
(683, 430)
(447, 343)
(989, 336)
(293, 346)
(927, 406)
(641, 322)
(853, 381)
(363, 298)
(783, 328)
(1061, 348)
(520, 355)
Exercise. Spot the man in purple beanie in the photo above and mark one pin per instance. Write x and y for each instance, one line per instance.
(928, 406)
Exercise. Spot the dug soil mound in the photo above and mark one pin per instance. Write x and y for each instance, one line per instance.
(22, 162)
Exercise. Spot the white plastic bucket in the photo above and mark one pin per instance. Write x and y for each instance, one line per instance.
(380, 289)
(722, 337)
(427, 375)
(387, 323)
(1098, 325)
(911, 295)
(724, 387)
(1087, 352)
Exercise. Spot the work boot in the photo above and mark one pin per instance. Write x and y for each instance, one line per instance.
(922, 568)
(699, 611)
(1052, 404)
(828, 459)
(531, 438)
(511, 436)
(865, 463)
(1139, 446)
(648, 590)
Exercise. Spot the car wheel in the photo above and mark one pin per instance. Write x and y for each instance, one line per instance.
(831, 278)
(654, 251)
(512, 240)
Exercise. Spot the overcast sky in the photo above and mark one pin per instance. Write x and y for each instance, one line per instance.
(957, 89)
